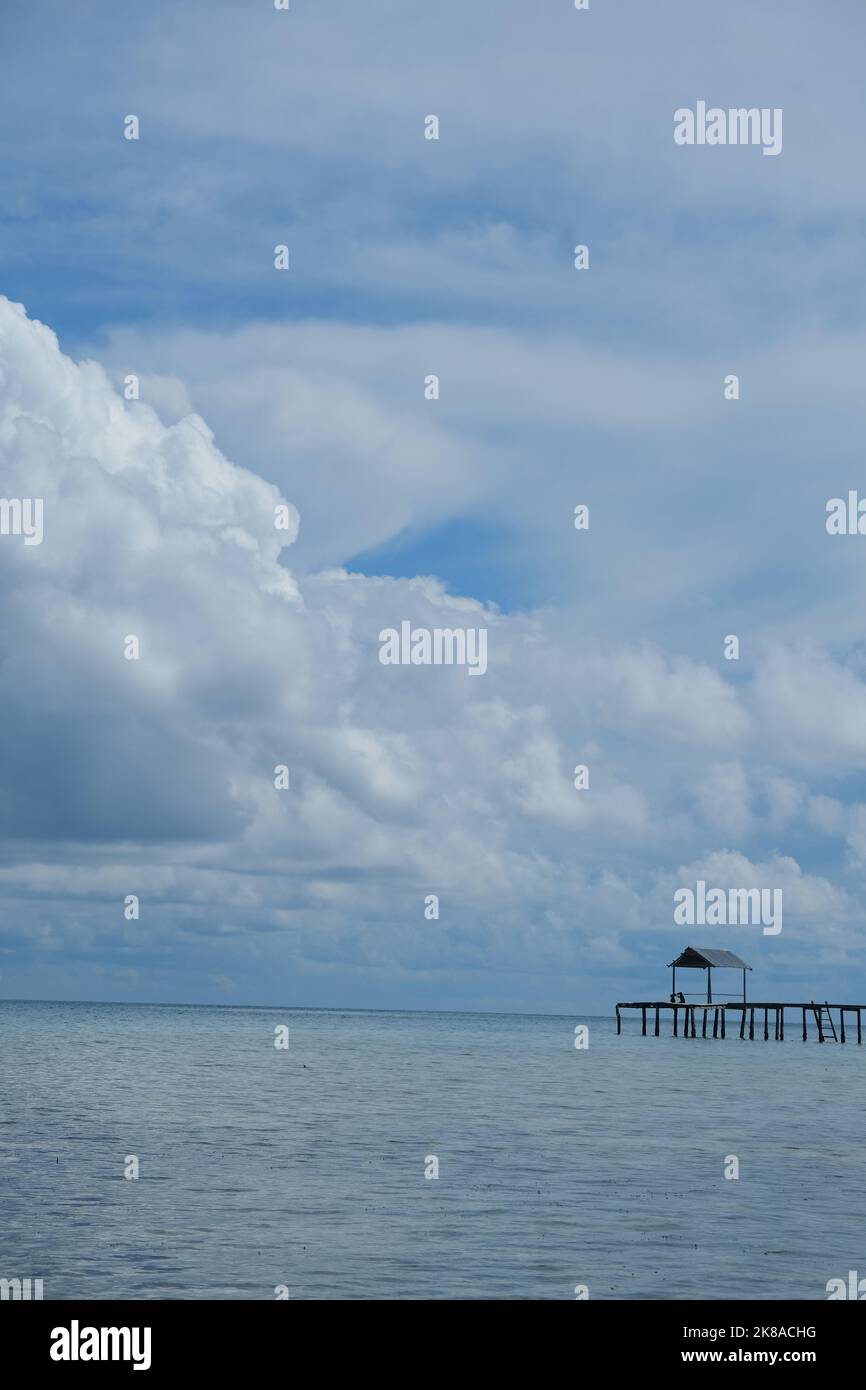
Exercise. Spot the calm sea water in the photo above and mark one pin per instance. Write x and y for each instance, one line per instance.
(305, 1167)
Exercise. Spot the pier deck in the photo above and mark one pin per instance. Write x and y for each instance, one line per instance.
(820, 1013)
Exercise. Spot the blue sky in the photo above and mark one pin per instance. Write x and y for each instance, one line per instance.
(558, 387)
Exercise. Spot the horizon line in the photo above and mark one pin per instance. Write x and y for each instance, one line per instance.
(307, 1008)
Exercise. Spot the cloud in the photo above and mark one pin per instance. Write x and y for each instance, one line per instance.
(528, 424)
(812, 707)
(156, 776)
(317, 137)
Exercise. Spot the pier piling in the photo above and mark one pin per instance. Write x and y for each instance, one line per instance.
(824, 1015)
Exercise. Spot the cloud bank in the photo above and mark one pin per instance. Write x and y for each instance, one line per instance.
(155, 776)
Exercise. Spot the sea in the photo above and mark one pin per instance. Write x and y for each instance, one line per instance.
(168, 1152)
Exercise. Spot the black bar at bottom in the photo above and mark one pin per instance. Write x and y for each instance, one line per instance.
(234, 1337)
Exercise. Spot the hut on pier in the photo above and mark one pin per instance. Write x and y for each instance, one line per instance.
(709, 960)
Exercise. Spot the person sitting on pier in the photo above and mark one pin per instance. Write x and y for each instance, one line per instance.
(682, 997)
(673, 998)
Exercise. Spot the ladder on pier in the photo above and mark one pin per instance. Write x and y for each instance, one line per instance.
(820, 1011)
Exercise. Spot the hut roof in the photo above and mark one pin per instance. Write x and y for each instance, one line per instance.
(699, 960)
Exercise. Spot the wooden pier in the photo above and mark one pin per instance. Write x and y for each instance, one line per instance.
(814, 1013)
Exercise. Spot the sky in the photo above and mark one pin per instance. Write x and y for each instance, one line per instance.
(559, 387)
